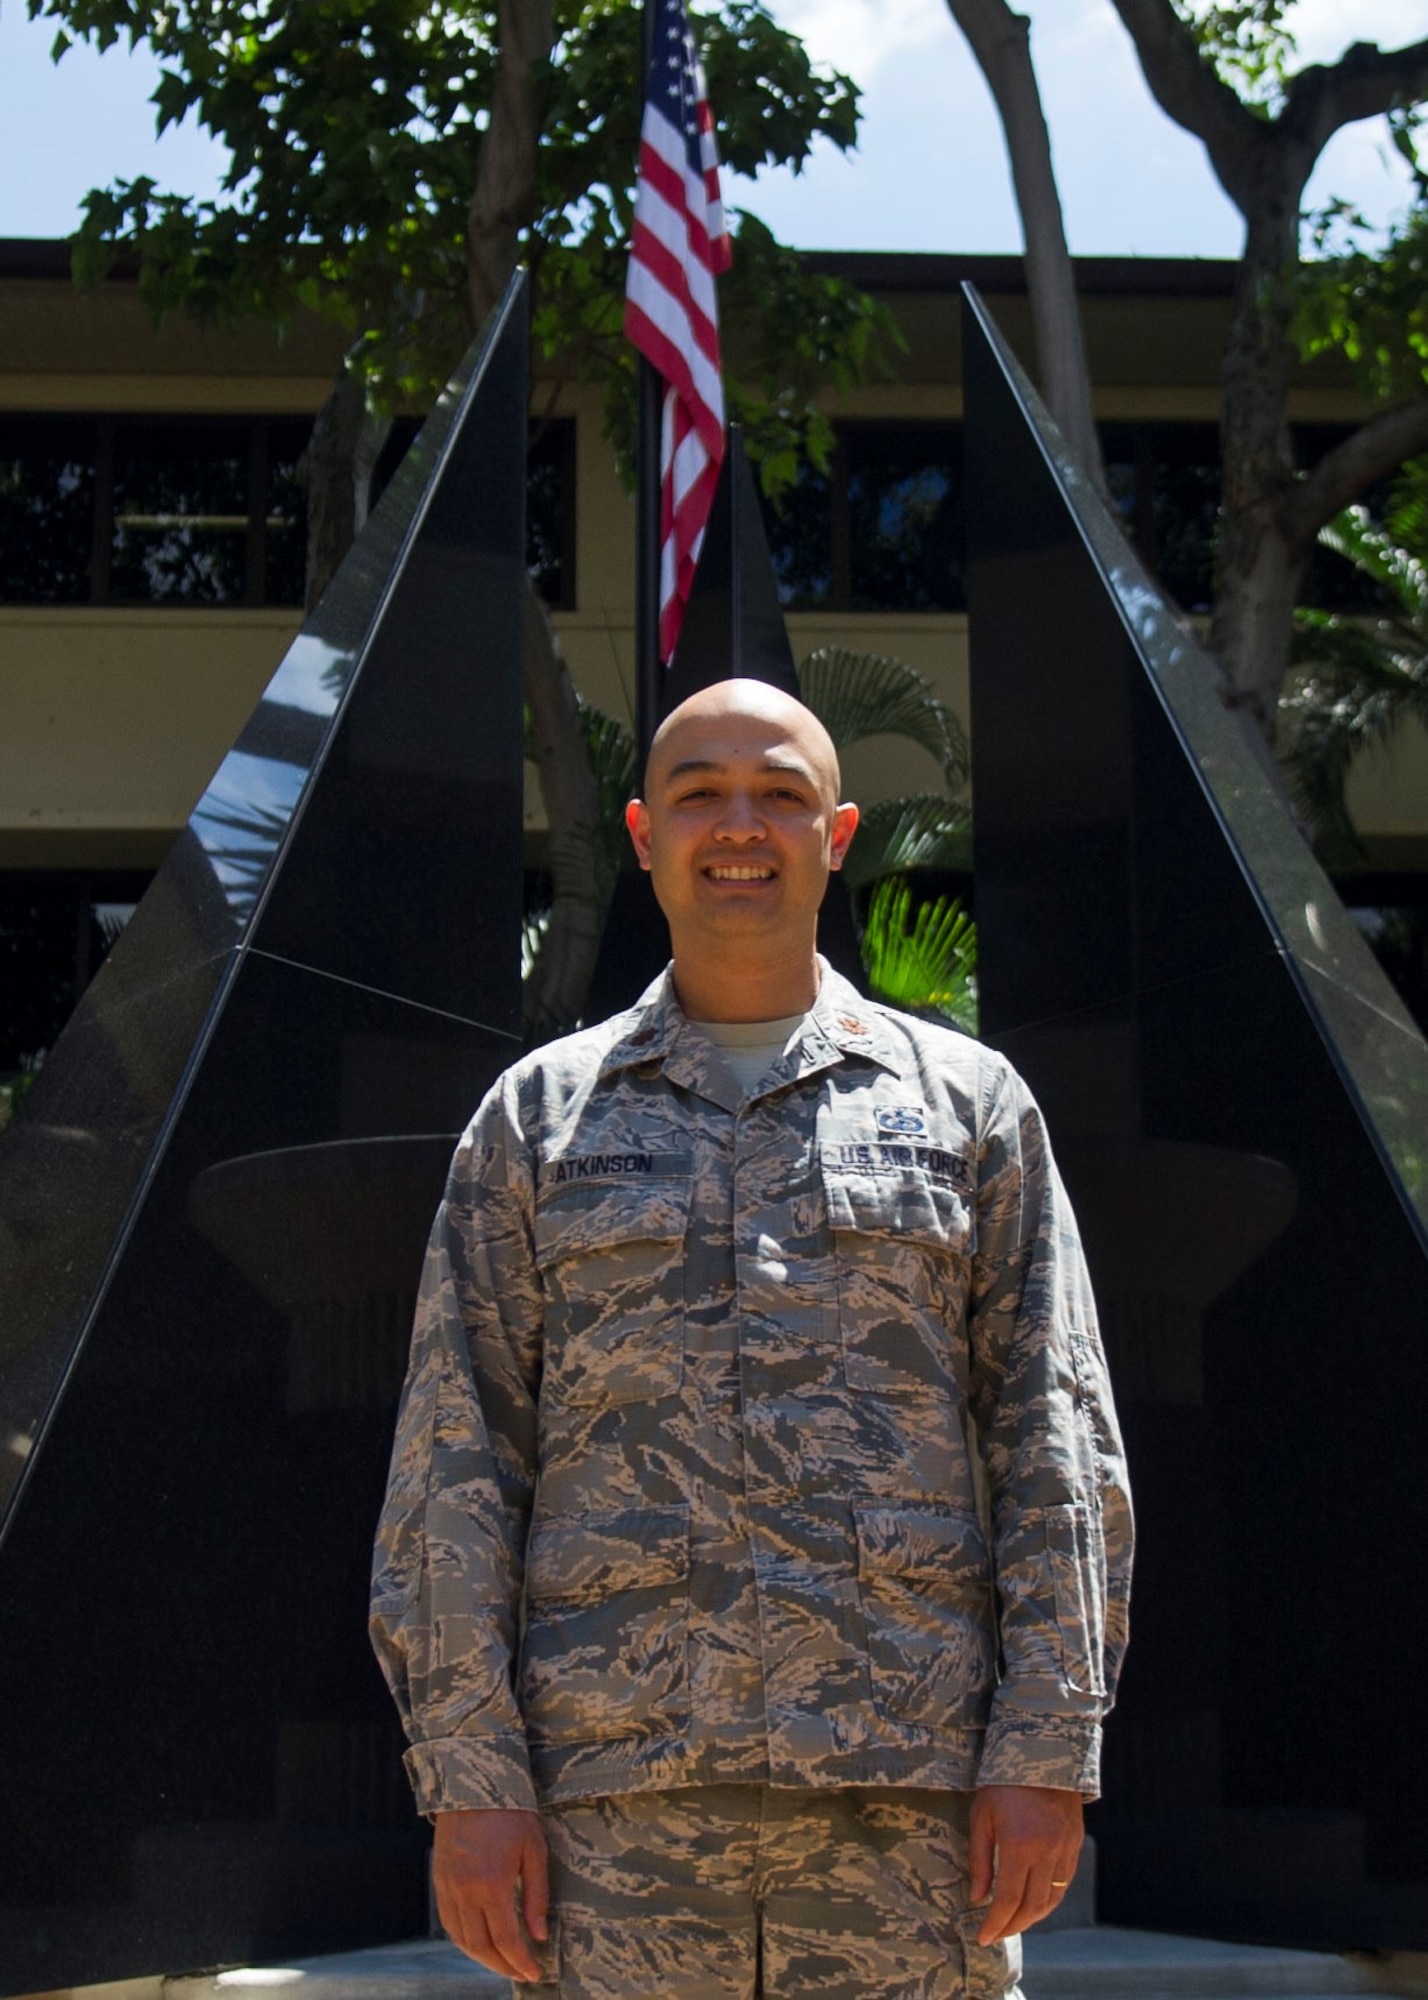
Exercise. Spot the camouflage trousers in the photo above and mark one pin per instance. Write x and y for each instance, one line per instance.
(741, 1892)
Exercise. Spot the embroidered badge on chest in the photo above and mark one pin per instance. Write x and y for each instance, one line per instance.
(901, 1118)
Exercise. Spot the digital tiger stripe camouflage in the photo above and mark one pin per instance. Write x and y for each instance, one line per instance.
(737, 1890)
(683, 1490)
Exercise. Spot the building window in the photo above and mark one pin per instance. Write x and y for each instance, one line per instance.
(1165, 483)
(179, 515)
(129, 510)
(47, 479)
(150, 510)
(881, 530)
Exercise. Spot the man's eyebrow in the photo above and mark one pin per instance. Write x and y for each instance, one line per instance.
(774, 766)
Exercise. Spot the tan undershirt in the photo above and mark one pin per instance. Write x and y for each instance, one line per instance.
(747, 1049)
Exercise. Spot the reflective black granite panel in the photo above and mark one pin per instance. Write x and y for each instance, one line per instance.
(322, 790)
(68, 1171)
(212, 1213)
(1238, 1102)
(1272, 1387)
(399, 796)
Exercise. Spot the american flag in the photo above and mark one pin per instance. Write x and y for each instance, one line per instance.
(680, 244)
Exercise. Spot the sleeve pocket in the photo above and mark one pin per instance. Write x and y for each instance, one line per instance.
(1078, 1572)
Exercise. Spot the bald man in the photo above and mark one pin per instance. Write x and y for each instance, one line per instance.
(724, 1671)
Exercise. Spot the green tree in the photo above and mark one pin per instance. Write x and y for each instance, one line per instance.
(1225, 70)
(1226, 73)
(390, 161)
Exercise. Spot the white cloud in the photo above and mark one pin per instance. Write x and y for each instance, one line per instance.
(861, 36)
(1324, 28)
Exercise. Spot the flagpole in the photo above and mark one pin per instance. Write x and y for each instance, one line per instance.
(647, 495)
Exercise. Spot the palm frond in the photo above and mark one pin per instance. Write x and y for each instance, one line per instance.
(614, 760)
(925, 830)
(1354, 535)
(1356, 680)
(1349, 700)
(925, 959)
(857, 695)
(614, 763)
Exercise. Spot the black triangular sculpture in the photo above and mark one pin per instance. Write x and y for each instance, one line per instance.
(733, 624)
(1238, 1101)
(212, 1212)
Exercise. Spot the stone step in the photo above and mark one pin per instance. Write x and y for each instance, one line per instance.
(426, 1969)
(1091, 1964)
(1101, 1962)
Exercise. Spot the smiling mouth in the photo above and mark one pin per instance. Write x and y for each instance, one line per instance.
(728, 872)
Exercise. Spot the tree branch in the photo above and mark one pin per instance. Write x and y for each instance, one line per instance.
(504, 200)
(1000, 41)
(1371, 452)
(1187, 89)
(1365, 82)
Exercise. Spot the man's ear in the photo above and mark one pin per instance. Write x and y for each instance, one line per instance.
(845, 825)
(637, 819)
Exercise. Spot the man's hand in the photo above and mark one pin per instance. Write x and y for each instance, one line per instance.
(1025, 1840)
(479, 1859)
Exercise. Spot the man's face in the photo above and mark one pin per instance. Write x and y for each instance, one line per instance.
(742, 823)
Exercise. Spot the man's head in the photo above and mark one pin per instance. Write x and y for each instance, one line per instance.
(741, 822)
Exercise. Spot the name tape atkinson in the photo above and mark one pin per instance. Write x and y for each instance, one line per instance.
(613, 1166)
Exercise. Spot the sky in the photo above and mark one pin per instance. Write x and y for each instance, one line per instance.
(929, 172)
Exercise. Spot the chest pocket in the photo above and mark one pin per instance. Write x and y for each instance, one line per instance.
(904, 1241)
(611, 1262)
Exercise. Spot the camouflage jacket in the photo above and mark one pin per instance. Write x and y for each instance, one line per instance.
(757, 1436)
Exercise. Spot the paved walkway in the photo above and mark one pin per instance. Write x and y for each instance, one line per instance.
(1093, 1964)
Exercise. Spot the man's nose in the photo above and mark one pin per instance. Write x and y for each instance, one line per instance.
(740, 819)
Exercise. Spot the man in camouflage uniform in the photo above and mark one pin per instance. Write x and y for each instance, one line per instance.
(754, 1562)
